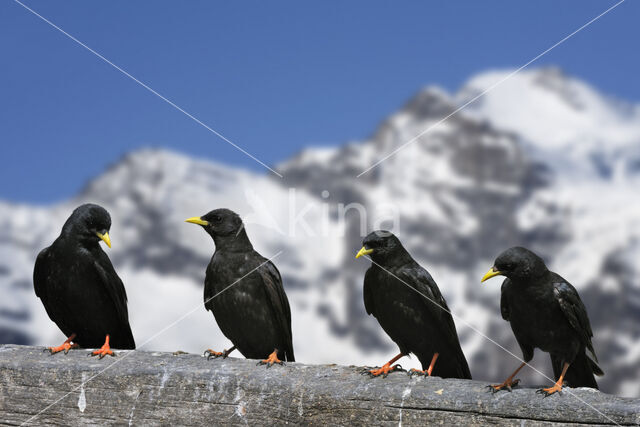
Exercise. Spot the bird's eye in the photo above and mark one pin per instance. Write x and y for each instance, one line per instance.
(217, 218)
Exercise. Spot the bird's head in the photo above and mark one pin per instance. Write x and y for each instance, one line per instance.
(381, 245)
(89, 223)
(517, 263)
(224, 225)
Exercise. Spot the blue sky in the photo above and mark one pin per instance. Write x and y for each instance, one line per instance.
(271, 76)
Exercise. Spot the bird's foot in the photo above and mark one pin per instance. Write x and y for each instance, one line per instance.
(104, 350)
(508, 384)
(271, 360)
(65, 346)
(385, 370)
(212, 354)
(426, 373)
(557, 388)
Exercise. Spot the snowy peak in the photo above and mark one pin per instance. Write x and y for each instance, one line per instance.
(550, 84)
(162, 170)
(430, 102)
(576, 128)
(424, 109)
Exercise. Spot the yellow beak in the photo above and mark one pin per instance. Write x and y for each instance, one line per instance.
(491, 273)
(363, 251)
(196, 220)
(105, 238)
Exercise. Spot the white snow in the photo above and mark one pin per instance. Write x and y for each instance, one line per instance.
(557, 120)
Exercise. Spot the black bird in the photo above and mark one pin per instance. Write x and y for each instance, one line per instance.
(545, 312)
(410, 308)
(79, 287)
(244, 292)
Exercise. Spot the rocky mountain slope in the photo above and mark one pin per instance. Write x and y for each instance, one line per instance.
(543, 161)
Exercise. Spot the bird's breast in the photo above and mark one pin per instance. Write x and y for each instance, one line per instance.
(537, 320)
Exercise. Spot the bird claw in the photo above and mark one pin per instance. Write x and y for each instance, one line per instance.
(104, 350)
(271, 360)
(66, 346)
(546, 392)
(395, 368)
(496, 388)
(418, 372)
(508, 385)
(365, 370)
(211, 354)
(270, 364)
(383, 371)
(101, 353)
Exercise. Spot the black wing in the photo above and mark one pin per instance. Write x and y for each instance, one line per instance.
(421, 281)
(44, 284)
(118, 295)
(575, 312)
(113, 284)
(279, 304)
(209, 288)
(367, 292)
(40, 275)
(505, 309)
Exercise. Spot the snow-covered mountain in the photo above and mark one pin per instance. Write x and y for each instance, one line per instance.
(581, 131)
(542, 160)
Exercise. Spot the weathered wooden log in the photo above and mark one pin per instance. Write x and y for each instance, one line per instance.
(146, 388)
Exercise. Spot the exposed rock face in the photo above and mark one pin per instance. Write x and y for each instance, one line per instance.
(542, 161)
(141, 388)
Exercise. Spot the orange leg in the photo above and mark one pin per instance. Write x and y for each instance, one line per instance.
(557, 387)
(509, 382)
(104, 350)
(386, 368)
(65, 346)
(215, 354)
(428, 371)
(271, 360)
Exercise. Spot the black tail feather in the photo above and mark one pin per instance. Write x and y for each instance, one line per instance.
(290, 356)
(465, 372)
(595, 368)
